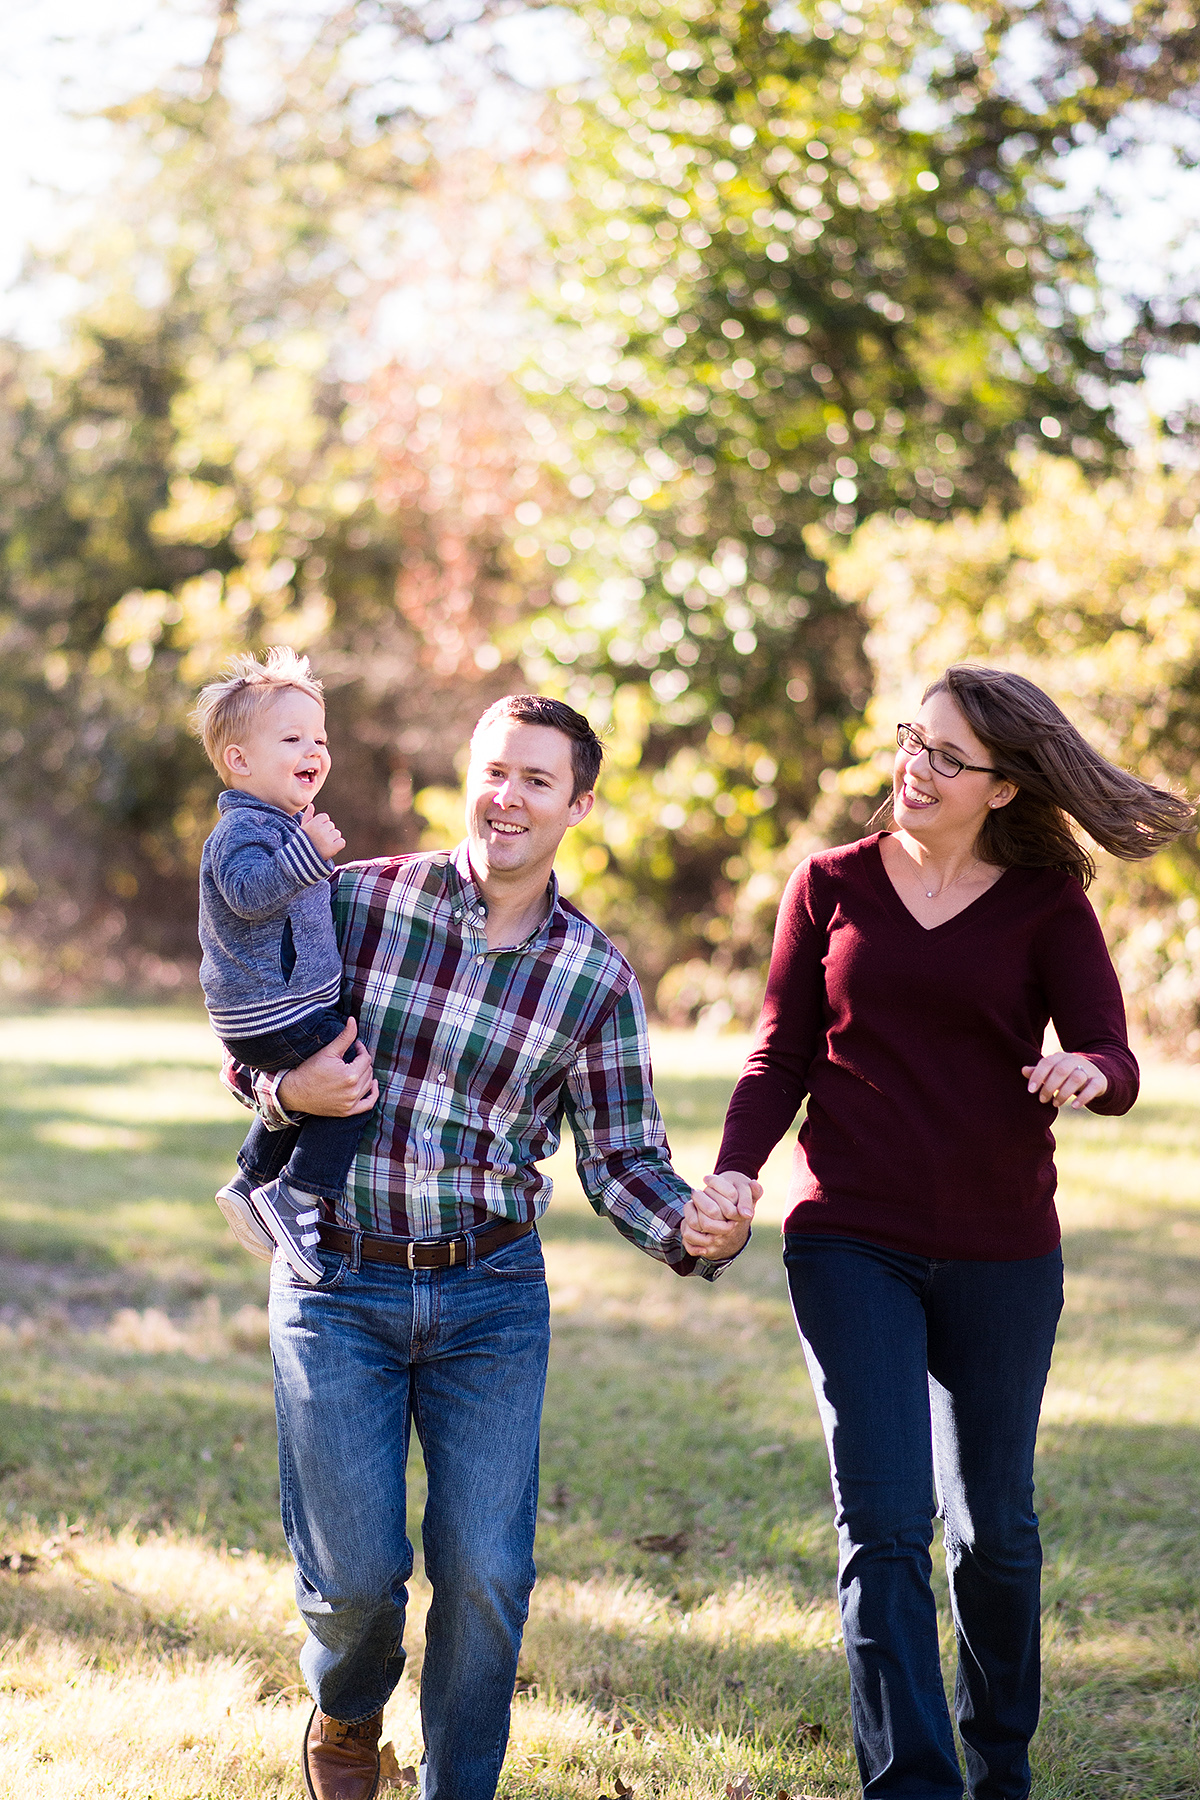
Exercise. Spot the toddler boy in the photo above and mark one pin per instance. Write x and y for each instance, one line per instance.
(271, 970)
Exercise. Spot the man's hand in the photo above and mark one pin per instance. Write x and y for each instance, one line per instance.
(1065, 1076)
(716, 1220)
(329, 1087)
(321, 832)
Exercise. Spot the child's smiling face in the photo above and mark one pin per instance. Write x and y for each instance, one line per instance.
(284, 757)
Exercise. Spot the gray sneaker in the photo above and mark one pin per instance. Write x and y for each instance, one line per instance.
(234, 1201)
(291, 1216)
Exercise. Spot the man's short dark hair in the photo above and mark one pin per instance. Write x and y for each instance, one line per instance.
(587, 752)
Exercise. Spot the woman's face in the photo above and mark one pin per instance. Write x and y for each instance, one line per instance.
(945, 806)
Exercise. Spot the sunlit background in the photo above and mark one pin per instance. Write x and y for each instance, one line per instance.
(726, 370)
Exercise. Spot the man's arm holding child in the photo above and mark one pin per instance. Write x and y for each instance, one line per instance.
(324, 1085)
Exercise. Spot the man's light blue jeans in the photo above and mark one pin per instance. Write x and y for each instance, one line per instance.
(462, 1354)
(929, 1376)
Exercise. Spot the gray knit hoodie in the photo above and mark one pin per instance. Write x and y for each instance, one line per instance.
(264, 897)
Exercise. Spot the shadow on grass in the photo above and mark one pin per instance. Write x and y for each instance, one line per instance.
(129, 1194)
(142, 1442)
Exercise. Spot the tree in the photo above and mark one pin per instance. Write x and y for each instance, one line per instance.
(1093, 591)
(195, 470)
(806, 277)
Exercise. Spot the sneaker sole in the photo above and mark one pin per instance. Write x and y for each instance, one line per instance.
(245, 1226)
(309, 1272)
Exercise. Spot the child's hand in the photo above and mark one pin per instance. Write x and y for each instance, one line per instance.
(321, 832)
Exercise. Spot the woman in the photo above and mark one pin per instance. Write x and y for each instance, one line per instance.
(912, 980)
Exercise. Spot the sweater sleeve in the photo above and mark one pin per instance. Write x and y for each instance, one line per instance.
(790, 1032)
(1081, 985)
(258, 877)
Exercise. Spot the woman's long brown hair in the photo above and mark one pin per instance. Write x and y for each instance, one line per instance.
(1057, 774)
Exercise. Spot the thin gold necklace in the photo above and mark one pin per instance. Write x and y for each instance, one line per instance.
(929, 893)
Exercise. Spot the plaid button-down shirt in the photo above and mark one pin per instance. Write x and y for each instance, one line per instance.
(480, 1055)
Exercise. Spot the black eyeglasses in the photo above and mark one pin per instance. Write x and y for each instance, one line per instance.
(940, 761)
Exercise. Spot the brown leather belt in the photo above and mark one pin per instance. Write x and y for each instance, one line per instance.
(418, 1253)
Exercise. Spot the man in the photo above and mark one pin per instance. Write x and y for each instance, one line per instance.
(493, 1009)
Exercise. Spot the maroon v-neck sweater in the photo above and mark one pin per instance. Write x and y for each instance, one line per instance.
(920, 1133)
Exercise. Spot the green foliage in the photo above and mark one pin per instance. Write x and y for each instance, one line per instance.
(1092, 591)
(193, 472)
(802, 278)
(805, 278)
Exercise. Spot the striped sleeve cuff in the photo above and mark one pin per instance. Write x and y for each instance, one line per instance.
(301, 858)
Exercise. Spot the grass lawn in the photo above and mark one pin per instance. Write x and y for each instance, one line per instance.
(683, 1637)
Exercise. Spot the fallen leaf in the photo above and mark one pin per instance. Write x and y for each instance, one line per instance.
(526, 1684)
(391, 1775)
(623, 1792)
(673, 1544)
(20, 1562)
(809, 1732)
(740, 1788)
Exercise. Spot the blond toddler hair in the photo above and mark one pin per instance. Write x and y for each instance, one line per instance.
(225, 709)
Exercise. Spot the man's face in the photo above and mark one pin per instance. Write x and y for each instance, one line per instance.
(519, 796)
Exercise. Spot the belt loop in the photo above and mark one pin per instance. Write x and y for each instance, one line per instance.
(470, 1241)
(356, 1238)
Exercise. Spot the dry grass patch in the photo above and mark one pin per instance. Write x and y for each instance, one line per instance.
(683, 1636)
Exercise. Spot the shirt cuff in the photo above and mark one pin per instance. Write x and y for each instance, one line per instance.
(709, 1270)
(272, 1114)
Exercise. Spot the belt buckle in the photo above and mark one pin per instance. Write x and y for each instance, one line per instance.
(415, 1243)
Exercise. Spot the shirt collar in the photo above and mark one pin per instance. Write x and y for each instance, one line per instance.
(464, 888)
(228, 798)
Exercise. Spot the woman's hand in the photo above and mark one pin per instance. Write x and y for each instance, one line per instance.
(1065, 1076)
(716, 1220)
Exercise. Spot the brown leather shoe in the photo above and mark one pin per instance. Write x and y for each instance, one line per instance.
(341, 1762)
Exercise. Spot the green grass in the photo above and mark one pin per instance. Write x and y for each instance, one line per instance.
(683, 1634)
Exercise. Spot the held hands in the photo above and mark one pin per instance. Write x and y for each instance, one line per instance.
(1065, 1076)
(716, 1220)
(329, 1087)
(321, 832)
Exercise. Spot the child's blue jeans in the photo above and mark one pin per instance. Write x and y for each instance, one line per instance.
(314, 1156)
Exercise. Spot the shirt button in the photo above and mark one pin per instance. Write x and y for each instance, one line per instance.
(441, 1074)
(481, 959)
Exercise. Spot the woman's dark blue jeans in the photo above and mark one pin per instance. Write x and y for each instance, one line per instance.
(929, 1378)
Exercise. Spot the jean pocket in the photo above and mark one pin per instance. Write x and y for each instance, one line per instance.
(519, 1260)
(332, 1262)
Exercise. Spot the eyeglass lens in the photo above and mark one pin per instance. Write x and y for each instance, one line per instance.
(940, 761)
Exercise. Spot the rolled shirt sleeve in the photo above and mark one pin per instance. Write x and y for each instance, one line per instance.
(621, 1148)
(258, 1091)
